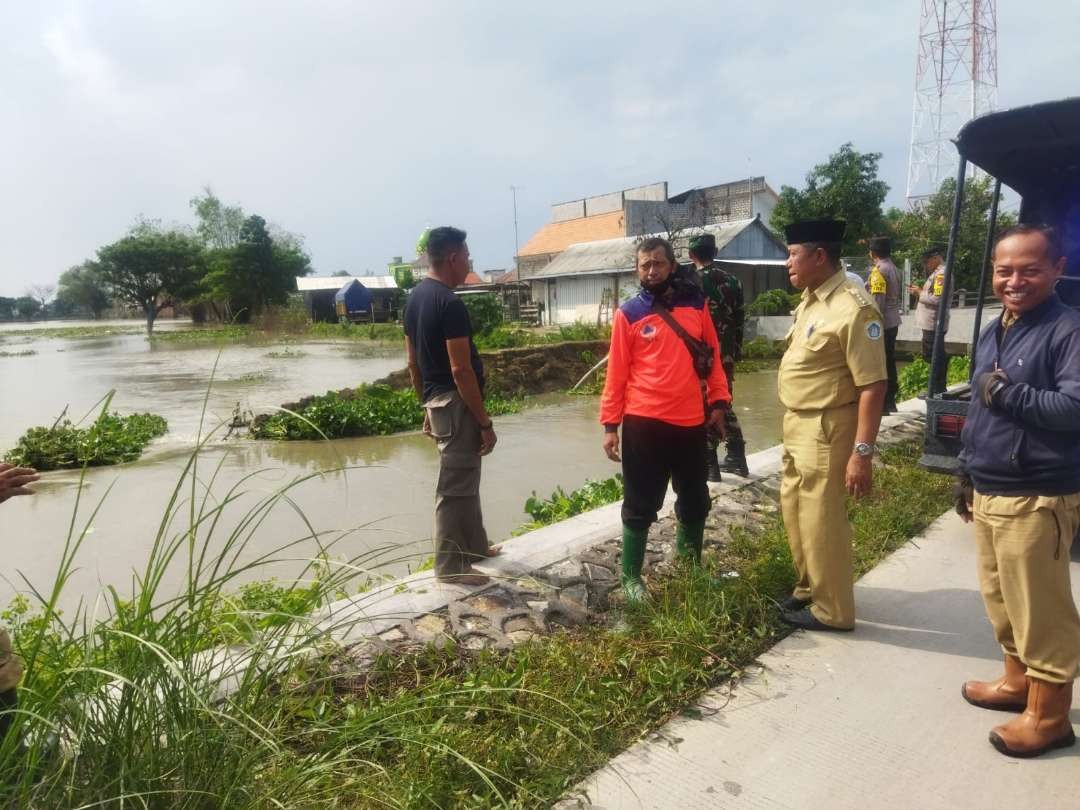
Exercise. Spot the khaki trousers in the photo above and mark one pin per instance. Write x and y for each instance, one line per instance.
(1023, 558)
(460, 537)
(10, 664)
(817, 447)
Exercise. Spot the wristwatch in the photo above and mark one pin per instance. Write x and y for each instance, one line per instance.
(863, 449)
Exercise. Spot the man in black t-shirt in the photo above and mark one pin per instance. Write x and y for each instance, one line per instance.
(448, 378)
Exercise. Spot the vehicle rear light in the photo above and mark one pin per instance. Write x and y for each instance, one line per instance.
(950, 424)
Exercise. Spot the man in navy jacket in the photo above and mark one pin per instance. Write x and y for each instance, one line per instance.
(1021, 462)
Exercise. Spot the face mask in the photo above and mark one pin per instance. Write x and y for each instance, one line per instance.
(658, 289)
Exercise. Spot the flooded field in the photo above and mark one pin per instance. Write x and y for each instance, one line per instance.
(380, 503)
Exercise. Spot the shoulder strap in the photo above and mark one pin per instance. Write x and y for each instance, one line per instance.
(669, 319)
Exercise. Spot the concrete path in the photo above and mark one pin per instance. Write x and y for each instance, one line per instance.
(870, 719)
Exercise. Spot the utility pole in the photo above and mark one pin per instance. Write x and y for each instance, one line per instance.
(955, 81)
(513, 192)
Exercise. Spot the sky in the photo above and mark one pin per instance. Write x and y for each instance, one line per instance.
(358, 124)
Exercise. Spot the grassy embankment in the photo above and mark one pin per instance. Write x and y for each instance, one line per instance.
(434, 728)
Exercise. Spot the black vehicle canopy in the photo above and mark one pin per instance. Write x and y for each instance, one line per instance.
(1034, 150)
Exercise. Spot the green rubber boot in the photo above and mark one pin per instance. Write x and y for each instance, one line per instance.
(689, 538)
(633, 558)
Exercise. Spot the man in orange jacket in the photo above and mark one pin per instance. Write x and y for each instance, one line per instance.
(654, 391)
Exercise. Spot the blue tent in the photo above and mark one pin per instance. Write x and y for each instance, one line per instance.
(354, 297)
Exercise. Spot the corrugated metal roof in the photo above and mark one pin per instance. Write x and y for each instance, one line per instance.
(618, 255)
(312, 283)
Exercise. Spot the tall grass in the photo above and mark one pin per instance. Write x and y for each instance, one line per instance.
(132, 700)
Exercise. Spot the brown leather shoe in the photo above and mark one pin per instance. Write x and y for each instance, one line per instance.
(1043, 726)
(1008, 693)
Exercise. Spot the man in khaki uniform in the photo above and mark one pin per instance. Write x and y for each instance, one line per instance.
(832, 381)
(1021, 459)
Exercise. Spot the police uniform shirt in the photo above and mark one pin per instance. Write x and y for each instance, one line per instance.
(835, 347)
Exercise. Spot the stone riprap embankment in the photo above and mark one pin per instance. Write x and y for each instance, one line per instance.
(553, 578)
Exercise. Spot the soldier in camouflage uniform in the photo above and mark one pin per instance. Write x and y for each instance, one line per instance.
(725, 296)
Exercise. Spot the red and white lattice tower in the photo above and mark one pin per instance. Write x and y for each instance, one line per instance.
(955, 81)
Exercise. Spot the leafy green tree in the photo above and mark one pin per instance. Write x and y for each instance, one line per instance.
(847, 187)
(7, 308)
(219, 225)
(485, 312)
(83, 289)
(257, 272)
(151, 268)
(928, 225)
(27, 307)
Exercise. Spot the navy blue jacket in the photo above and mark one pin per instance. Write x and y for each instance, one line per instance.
(1031, 444)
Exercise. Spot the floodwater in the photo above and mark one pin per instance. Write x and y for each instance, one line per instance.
(380, 504)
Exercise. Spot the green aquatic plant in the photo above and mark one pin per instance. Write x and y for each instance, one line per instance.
(370, 410)
(109, 439)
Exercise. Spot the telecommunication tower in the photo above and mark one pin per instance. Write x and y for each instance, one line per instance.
(955, 81)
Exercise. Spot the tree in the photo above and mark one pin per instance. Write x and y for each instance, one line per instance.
(83, 288)
(27, 307)
(43, 294)
(7, 308)
(219, 225)
(928, 225)
(847, 187)
(151, 268)
(257, 272)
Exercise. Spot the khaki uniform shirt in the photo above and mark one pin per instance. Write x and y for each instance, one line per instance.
(885, 286)
(835, 347)
(929, 301)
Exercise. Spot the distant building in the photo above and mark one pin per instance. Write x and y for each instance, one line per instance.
(643, 210)
(319, 293)
(588, 281)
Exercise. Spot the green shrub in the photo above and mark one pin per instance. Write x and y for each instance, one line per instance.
(485, 312)
(774, 302)
(762, 349)
(111, 439)
(579, 330)
(914, 378)
(503, 337)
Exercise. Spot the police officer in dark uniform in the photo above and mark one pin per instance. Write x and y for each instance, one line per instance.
(724, 294)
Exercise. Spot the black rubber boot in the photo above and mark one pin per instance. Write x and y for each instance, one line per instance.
(735, 461)
(714, 466)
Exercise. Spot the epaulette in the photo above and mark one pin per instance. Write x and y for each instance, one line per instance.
(859, 296)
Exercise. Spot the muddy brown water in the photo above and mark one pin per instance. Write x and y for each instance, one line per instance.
(380, 505)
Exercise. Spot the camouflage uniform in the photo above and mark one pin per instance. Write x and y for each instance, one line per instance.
(725, 296)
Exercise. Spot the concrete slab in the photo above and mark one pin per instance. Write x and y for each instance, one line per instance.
(871, 719)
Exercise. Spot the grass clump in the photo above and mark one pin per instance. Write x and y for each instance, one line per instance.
(370, 410)
(23, 353)
(110, 439)
(562, 505)
(914, 378)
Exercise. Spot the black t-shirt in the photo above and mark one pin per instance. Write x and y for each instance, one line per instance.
(434, 315)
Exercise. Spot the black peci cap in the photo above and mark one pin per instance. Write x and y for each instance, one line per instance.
(815, 230)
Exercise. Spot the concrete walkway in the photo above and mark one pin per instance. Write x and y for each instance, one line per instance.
(870, 719)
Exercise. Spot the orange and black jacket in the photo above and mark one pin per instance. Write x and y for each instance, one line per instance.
(650, 372)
